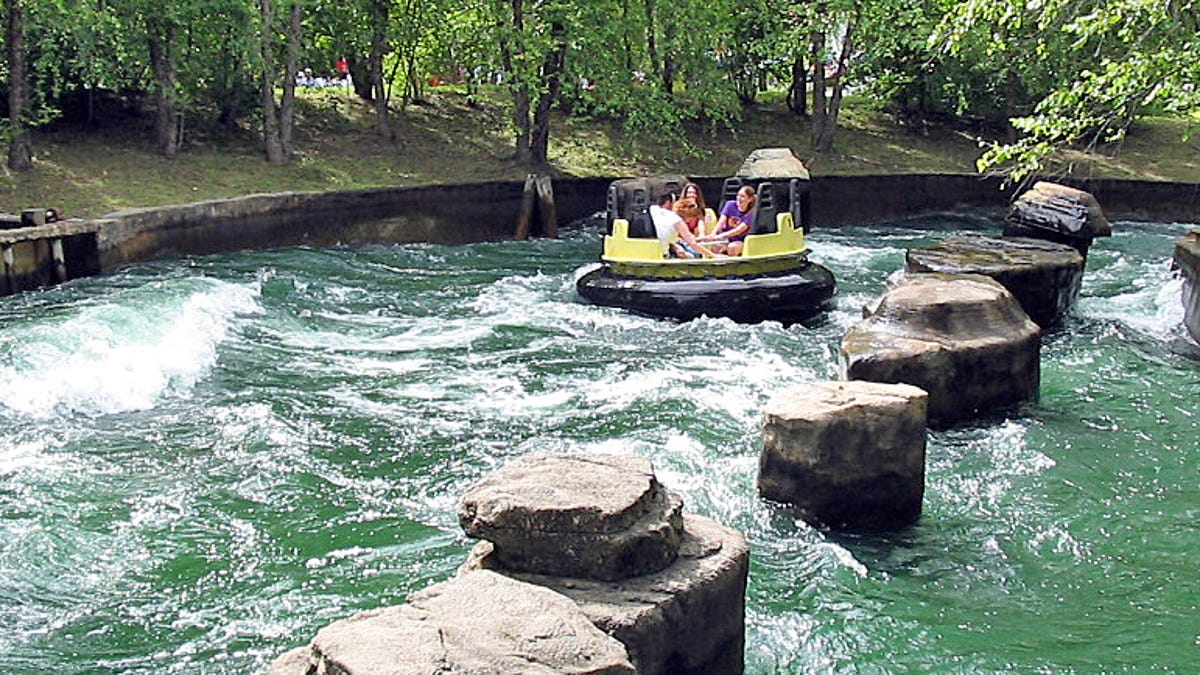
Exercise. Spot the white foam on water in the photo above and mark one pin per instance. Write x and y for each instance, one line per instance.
(124, 354)
(1152, 302)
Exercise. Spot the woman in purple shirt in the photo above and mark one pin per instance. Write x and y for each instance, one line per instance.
(735, 220)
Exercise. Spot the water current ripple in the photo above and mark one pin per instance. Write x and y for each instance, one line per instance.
(208, 459)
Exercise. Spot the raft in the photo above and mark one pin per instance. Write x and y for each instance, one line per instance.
(773, 279)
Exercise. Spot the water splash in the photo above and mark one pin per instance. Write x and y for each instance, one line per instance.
(121, 355)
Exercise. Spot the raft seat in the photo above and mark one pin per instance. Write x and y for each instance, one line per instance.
(620, 245)
(765, 211)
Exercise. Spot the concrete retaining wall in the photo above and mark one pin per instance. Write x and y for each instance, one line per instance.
(442, 214)
(460, 214)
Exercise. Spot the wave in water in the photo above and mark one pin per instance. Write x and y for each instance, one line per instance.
(124, 354)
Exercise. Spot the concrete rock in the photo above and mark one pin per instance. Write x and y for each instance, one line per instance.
(688, 619)
(772, 164)
(594, 517)
(482, 623)
(1044, 277)
(962, 338)
(1187, 259)
(1057, 213)
(298, 661)
(846, 454)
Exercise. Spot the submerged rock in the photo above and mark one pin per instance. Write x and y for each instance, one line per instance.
(846, 454)
(962, 338)
(1043, 276)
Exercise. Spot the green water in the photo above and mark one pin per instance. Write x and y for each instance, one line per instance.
(207, 460)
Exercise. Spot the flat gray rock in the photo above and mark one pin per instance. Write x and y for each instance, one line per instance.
(1057, 213)
(772, 164)
(481, 622)
(1045, 277)
(1187, 259)
(594, 516)
(846, 454)
(687, 618)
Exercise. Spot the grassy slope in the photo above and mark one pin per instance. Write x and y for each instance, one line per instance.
(90, 174)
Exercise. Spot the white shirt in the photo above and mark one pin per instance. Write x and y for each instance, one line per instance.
(665, 221)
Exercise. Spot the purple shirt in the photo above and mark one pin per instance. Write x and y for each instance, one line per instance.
(734, 216)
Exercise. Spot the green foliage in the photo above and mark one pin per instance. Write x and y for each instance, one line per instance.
(1065, 72)
(1113, 62)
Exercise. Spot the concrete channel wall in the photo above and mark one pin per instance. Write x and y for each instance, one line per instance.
(466, 213)
(1187, 259)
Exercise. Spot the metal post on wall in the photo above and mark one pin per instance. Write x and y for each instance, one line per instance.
(8, 263)
(60, 261)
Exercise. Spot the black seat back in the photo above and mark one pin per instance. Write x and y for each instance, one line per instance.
(765, 210)
(729, 190)
(630, 198)
(798, 203)
(638, 214)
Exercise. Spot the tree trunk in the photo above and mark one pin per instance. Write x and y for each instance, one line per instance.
(270, 112)
(669, 67)
(1010, 104)
(552, 68)
(827, 109)
(651, 43)
(520, 88)
(825, 143)
(168, 120)
(20, 152)
(797, 98)
(626, 46)
(287, 106)
(820, 111)
(379, 26)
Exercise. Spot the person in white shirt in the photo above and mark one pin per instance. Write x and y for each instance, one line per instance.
(672, 229)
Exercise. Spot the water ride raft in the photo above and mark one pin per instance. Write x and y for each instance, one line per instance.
(773, 279)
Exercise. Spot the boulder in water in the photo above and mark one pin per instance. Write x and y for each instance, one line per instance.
(1043, 276)
(962, 338)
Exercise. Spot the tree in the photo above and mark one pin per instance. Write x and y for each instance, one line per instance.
(827, 105)
(168, 121)
(270, 112)
(1119, 59)
(379, 48)
(20, 152)
(278, 118)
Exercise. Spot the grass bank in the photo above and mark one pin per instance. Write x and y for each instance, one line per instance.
(95, 171)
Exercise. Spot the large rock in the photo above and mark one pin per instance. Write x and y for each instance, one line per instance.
(1043, 276)
(688, 619)
(1187, 259)
(846, 454)
(772, 164)
(1057, 213)
(962, 338)
(481, 623)
(593, 517)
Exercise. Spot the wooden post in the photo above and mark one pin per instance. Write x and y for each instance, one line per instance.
(527, 204)
(548, 212)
